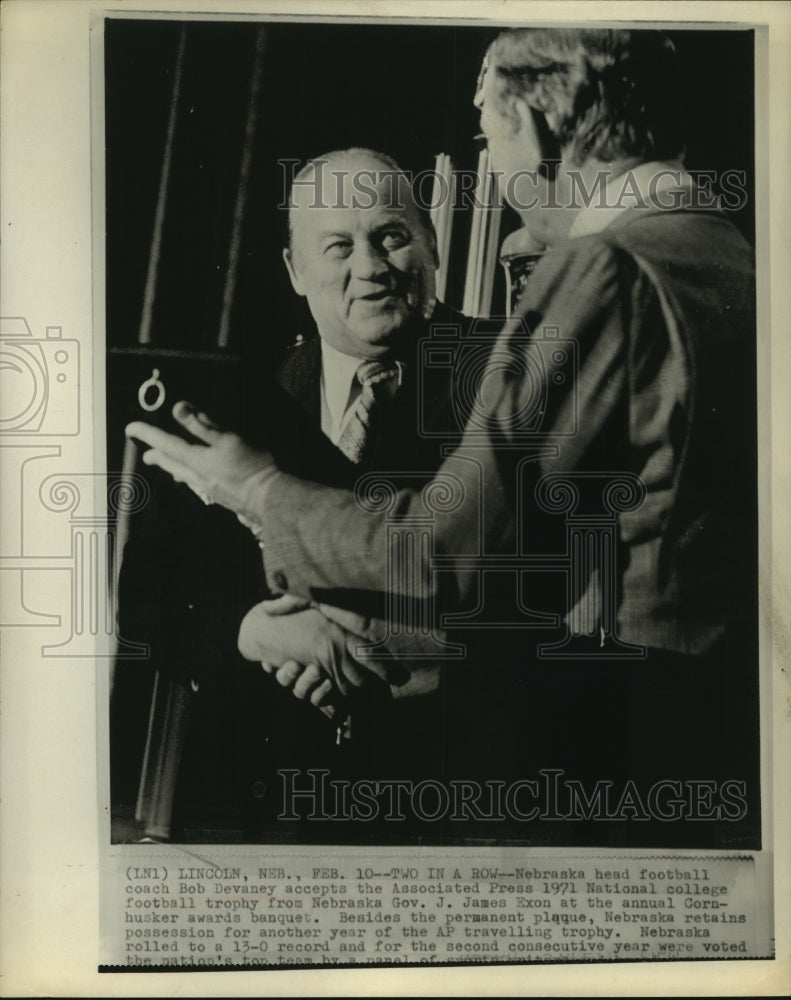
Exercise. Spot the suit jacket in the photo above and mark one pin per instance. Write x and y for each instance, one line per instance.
(661, 309)
(659, 313)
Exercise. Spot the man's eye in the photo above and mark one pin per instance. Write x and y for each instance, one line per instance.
(338, 248)
(394, 240)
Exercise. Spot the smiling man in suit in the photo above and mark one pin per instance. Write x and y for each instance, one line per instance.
(346, 403)
(364, 257)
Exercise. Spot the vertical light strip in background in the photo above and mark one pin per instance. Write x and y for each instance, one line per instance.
(250, 127)
(150, 290)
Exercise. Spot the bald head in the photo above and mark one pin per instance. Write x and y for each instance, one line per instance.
(360, 251)
(355, 178)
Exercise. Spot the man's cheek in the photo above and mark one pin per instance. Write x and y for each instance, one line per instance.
(407, 260)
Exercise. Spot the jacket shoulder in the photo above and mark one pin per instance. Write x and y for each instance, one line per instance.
(681, 240)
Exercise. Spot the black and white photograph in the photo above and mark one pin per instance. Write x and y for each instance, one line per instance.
(526, 611)
(422, 560)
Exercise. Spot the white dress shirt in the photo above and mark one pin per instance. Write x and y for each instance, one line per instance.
(339, 389)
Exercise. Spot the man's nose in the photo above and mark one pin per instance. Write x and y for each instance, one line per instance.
(368, 262)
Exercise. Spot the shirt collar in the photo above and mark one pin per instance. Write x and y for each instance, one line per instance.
(649, 186)
(337, 372)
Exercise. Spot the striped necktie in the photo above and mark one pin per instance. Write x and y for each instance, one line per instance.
(379, 381)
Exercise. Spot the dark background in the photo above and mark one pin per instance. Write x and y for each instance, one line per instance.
(404, 89)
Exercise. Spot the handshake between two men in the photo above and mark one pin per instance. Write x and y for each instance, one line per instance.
(313, 649)
(368, 275)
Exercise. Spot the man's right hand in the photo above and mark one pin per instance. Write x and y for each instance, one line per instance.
(220, 468)
(296, 641)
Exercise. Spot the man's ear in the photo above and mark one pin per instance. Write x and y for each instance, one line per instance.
(432, 243)
(293, 273)
(536, 123)
(540, 126)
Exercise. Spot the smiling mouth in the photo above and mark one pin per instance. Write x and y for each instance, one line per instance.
(385, 293)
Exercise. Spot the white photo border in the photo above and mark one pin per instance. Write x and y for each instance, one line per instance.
(52, 276)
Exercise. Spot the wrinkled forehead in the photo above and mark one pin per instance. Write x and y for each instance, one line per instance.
(351, 195)
(334, 183)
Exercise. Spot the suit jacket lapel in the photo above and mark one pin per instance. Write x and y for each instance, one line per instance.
(300, 376)
(309, 452)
